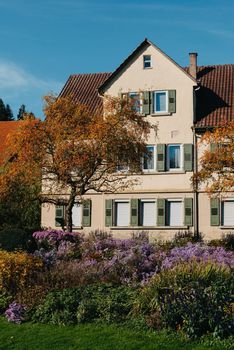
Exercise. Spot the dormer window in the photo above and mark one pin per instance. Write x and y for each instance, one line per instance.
(147, 61)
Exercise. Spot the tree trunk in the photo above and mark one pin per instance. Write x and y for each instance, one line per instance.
(70, 205)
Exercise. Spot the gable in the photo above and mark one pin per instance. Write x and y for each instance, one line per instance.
(134, 65)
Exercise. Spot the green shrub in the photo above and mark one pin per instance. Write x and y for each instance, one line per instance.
(13, 238)
(196, 298)
(101, 302)
(59, 307)
(106, 303)
(5, 300)
(227, 241)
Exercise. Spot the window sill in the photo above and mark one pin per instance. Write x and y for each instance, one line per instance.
(160, 114)
(156, 228)
(163, 172)
(227, 227)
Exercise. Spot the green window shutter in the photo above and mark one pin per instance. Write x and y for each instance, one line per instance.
(86, 211)
(161, 212)
(188, 157)
(214, 212)
(161, 157)
(134, 212)
(213, 147)
(146, 102)
(108, 212)
(59, 215)
(172, 101)
(188, 211)
(151, 102)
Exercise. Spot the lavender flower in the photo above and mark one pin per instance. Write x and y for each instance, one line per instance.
(15, 312)
(199, 252)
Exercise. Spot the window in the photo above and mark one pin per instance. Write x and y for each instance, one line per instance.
(174, 213)
(77, 215)
(160, 101)
(148, 212)
(136, 99)
(122, 213)
(149, 159)
(227, 210)
(81, 214)
(122, 168)
(174, 157)
(146, 61)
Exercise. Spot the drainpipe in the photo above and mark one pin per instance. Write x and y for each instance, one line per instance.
(196, 194)
(195, 157)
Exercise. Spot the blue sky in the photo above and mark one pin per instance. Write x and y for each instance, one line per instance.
(44, 41)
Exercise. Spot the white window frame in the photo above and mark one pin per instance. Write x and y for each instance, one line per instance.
(142, 201)
(181, 157)
(231, 199)
(167, 211)
(116, 201)
(154, 159)
(155, 104)
(147, 61)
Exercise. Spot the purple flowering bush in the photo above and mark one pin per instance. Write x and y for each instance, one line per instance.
(54, 244)
(199, 252)
(15, 312)
(188, 287)
(121, 261)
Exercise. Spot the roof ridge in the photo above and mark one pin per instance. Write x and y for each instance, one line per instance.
(96, 73)
(213, 65)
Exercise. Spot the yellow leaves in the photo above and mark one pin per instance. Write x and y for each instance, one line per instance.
(17, 270)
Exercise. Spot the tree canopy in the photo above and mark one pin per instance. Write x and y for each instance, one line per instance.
(5, 112)
(216, 165)
(75, 153)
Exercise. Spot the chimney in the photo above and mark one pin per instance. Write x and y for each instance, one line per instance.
(193, 64)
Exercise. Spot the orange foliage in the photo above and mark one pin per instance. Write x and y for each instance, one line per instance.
(216, 165)
(75, 152)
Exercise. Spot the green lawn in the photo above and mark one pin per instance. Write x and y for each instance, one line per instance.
(92, 337)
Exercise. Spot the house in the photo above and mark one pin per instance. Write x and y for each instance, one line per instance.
(184, 103)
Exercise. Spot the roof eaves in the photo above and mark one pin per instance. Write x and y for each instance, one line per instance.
(170, 59)
(144, 43)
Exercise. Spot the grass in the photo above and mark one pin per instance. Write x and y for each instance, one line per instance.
(94, 337)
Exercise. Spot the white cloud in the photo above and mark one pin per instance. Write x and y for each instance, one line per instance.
(14, 77)
(222, 33)
(17, 86)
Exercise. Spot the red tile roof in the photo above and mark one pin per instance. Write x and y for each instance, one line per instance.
(215, 97)
(84, 89)
(5, 129)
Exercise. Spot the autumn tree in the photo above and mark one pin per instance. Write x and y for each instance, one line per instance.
(216, 164)
(75, 153)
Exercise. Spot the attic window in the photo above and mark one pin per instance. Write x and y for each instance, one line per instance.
(147, 61)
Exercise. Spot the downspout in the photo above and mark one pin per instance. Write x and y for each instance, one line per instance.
(195, 187)
(195, 157)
